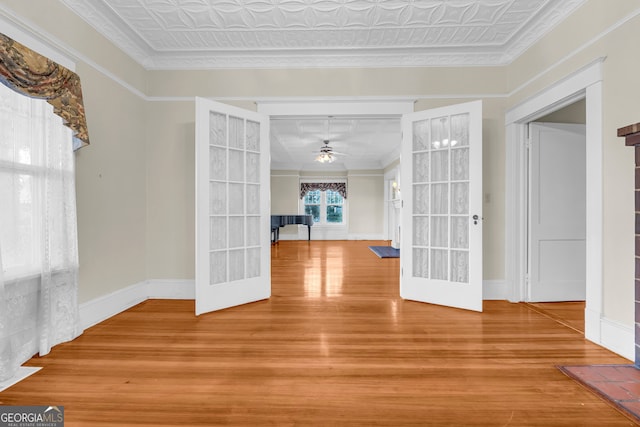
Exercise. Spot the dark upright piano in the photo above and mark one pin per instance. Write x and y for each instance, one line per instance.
(278, 221)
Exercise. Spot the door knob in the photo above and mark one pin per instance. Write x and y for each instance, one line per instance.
(475, 219)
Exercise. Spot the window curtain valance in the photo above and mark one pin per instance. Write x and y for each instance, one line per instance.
(33, 75)
(339, 187)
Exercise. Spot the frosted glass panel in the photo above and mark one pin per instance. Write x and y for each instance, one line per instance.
(460, 198)
(421, 199)
(253, 167)
(460, 130)
(253, 262)
(253, 136)
(439, 264)
(439, 166)
(460, 266)
(421, 231)
(440, 133)
(253, 231)
(440, 231)
(218, 232)
(236, 199)
(236, 232)
(236, 165)
(218, 267)
(217, 198)
(236, 133)
(421, 135)
(217, 129)
(236, 265)
(253, 199)
(460, 164)
(440, 198)
(421, 167)
(217, 163)
(460, 232)
(420, 262)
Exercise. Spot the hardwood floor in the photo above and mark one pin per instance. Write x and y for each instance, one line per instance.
(570, 314)
(335, 345)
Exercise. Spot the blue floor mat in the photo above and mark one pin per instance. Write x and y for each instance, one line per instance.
(385, 251)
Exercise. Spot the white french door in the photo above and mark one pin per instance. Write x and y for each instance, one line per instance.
(232, 206)
(441, 187)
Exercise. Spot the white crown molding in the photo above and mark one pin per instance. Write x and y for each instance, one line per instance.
(428, 34)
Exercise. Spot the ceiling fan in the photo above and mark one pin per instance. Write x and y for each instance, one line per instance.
(326, 153)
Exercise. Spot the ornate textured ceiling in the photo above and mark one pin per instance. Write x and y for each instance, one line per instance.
(191, 34)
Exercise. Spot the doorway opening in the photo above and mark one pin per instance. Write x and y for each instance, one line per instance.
(585, 83)
(556, 270)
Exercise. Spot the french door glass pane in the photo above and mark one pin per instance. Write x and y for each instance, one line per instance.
(236, 165)
(234, 198)
(253, 230)
(218, 129)
(460, 232)
(218, 267)
(218, 232)
(460, 266)
(253, 167)
(253, 136)
(236, 265)
(440, 162)
(236, 232)
(460, 164)
(421, 167)
(439, 264)
(253, 262)
(253, 199)
(218, 198)
(236, 133)
(421, 199)
(421, 135)
(460, 198)
(217, 163)
(420, 262)
(460, 130)
(440, 166)
(421, 230)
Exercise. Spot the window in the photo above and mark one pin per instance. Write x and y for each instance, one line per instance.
(326, 207)
(36, 183)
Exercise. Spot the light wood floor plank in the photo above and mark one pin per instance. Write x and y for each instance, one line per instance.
(335, 345)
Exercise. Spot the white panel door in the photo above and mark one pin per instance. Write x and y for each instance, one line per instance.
(557, 219)
(441, 187)
(233, 242)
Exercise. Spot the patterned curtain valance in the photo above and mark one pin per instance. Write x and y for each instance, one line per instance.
(340, 187)
(36, 76)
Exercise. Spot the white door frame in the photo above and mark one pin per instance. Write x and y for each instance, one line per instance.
(584, 83)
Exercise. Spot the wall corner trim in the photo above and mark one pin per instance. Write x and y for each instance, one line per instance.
(102, 308)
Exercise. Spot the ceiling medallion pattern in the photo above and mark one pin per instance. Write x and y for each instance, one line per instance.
(164, 34)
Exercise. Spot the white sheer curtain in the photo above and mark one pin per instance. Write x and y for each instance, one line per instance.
(38, 237)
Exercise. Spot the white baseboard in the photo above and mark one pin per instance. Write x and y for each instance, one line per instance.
(171, 289)
(23, 372)
(323, 235)
(618, 338)
(495, 290)
(365, 237)
(101, 308)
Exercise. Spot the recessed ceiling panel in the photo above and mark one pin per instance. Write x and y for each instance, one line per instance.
(174, 34)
